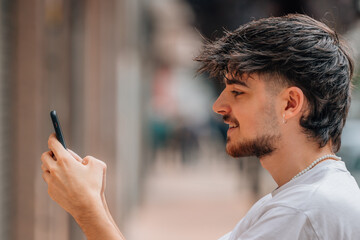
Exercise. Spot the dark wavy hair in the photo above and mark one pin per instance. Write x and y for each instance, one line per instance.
(304, 53)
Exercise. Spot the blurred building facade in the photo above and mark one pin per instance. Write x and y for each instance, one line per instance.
(83, 59)
(5, 119)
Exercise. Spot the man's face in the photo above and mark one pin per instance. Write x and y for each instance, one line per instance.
(249, 107)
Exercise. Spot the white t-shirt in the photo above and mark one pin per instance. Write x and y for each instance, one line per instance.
(322, 204)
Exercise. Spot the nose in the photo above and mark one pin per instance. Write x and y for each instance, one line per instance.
(221, 106)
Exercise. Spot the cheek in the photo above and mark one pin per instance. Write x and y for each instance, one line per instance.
(270, 118)
(256, 117)
(249, 121)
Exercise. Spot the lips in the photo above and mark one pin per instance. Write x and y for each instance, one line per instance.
(232, 122)
(233, 126)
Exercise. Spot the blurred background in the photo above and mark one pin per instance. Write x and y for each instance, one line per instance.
(121, 77)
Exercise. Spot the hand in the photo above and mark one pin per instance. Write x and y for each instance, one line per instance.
(76, 184)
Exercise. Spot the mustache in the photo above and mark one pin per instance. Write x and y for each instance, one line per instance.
(228, 118)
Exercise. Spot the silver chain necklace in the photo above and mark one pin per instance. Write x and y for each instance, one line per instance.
(328, 156)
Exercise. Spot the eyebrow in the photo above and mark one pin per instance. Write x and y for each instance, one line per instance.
(236, 81)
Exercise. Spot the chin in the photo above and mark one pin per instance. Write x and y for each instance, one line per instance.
(235, 151)
(258, 147)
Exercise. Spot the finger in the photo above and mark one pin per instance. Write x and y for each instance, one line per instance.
(87, 159)
(50, 153)
(77, 157)
(44, 162)
(44, 168)
(92, 160)
(46, 176)
(48, 161)
(57, 148)
(104, 181)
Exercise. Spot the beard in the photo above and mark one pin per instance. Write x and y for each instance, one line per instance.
(262, 145)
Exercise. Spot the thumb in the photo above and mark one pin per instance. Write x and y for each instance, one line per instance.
(77, 157)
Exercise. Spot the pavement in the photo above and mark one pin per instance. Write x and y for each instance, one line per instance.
(203, 200)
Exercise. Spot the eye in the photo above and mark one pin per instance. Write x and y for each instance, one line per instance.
(236, 93)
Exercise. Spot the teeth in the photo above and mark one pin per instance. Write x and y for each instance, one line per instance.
(232, 125)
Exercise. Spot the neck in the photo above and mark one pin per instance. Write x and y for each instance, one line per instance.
(285, 163)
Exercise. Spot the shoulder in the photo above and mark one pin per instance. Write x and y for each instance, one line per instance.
(329, 183)
(277, 223)
(339, 193)
(331, 202)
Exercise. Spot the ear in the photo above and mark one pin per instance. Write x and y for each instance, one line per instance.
(293, 101)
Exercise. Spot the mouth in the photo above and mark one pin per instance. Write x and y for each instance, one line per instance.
(232, 122)
(232, 126)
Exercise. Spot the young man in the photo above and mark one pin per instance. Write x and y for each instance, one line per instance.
(286, 99)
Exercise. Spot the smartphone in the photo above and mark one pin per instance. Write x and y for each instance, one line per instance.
(56, 123)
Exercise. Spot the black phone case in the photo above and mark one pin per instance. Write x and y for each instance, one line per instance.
(57, 128)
